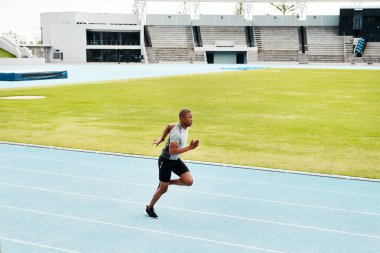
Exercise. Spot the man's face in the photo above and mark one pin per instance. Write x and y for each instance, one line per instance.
(187, 120)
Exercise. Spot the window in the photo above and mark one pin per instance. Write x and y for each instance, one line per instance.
(113, 38)
(114, 55)
(358, 22)
(56, 54)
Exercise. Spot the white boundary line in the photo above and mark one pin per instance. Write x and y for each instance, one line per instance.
(197, 162)
(36, 245)
(201, 176)
(200, 212)
(199, 192)
(140, 229)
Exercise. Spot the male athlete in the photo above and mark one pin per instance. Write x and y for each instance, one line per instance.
(169, 160)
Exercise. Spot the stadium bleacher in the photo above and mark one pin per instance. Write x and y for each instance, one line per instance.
(170, 44)
(277, 43)
(325, 45)
(230, 35)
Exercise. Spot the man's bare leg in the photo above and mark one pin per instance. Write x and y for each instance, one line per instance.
(185, 180)
(159, 192)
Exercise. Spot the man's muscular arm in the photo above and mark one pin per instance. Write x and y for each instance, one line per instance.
(164, 134)
(174, 150)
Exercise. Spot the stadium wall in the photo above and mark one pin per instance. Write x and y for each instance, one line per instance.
(204, 20)
(222, 20)
(270, 20)
(158, 19)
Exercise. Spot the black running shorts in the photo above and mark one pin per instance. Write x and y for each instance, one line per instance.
(167, 166)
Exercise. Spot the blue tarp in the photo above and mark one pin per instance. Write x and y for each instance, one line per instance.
(244, 68)
(26, 76)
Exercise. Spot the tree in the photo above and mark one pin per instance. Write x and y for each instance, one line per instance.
(183, 8)
(37, 40)
(285, 7)
(10, 35)
(136, 9)
(239, 9)
(18, 39)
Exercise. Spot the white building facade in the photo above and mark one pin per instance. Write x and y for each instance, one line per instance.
(76, 37)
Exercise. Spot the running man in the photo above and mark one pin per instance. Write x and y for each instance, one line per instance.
(169, 160)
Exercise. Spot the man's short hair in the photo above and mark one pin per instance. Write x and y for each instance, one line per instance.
(183, 113)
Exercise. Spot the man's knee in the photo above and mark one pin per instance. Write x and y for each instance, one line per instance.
(187, 179)
(188, 182)
(163, 188)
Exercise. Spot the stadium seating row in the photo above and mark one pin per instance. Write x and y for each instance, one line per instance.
(322, 44)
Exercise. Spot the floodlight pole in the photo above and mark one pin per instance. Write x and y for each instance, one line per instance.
(248, 10)
(356, 3)
(195, 10)
(142, 13)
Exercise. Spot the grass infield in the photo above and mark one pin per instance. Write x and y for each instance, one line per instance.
(325, 121)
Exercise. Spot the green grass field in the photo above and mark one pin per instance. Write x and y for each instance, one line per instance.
(6, 54)
(325, 121)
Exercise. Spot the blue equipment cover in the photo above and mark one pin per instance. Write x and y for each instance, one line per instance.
(34, 75)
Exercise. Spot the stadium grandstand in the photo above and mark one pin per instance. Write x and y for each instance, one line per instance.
(353, 36)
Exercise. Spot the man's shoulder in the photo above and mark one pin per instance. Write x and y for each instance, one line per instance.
(177, 127)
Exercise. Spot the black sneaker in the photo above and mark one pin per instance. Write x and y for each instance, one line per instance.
(150, 212)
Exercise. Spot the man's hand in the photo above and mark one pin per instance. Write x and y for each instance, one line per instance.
(166, 132)
(194, 144)
(158, 141)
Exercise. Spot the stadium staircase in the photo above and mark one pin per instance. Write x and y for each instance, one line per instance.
(349, 49)
(200, 56)
(277, 43)
(197, 36)
(249, 36)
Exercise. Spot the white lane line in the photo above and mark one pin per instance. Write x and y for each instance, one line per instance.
(199, 212)
(290, 187)
(283, 202)
(284, 224)
(72, 162)
(36, 244)
(207, 177)
(75, 176)
(140, 229)
(200, 192)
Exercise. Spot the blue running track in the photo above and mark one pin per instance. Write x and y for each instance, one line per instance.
(55, 200)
